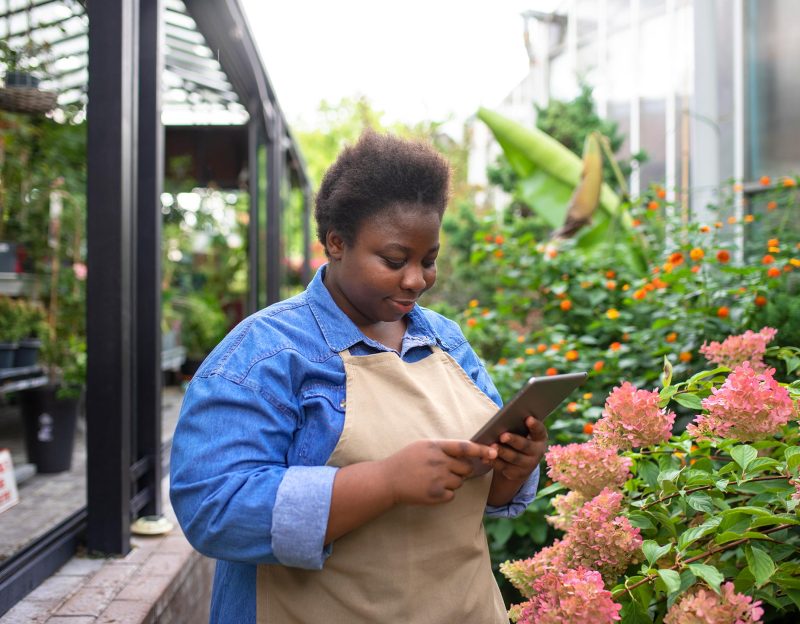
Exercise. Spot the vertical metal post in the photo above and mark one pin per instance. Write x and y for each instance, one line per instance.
(111, 201)
(307, 233)
(275, 158)
(635, 135)
(738, 121)
(253, 225)
(670, 126)
(148, 249)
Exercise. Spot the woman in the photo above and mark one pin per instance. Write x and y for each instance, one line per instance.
(322, 452)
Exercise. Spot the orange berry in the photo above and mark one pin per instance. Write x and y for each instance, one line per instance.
(787, 182)
(659, 283)
(598, 365)
(474, 303)
(671, 337)
(723, 312)
(636, 223)
(760, 301)
(571, 355)
(561, 295)
(697, 254)
(718, 224)
(626, 337)
(661, 193)
(705, 228)
(551, 371)
(767, 259)
(765, 180)
(555, 347)
(541, 347)
(640, 294)
(499, 240)
(676, 258)
(588, 428)
(772, 205)
(611, 284)
(723, 256)
(551, 253)
(695, 269)
(520, 339)
(626, 287)
(572, 407)
(615, 346)
(488, 238)
(498, 253)
(472, 322)
(749, 218)
(731, 220)
(685, 356)
(485, 312)
(653, 205)
(611, 274)
(587, 395)
(612, 314)
(502, 361)
(773, 242)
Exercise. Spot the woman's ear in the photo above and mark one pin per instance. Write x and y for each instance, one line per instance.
(334, 244)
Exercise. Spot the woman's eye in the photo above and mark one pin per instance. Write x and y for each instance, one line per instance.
(429, 264)
(394, 264)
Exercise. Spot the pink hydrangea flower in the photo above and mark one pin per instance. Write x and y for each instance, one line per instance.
(523, 572)
(571, 596)
(736, 350)
(601, 540)
(632, 418)
(703, 606)
(565, 505)
(749, 406)
(796, 493)
(587, 468)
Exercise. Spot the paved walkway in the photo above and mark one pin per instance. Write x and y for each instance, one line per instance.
(47, 500)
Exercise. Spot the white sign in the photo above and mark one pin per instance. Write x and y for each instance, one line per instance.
(8, 484)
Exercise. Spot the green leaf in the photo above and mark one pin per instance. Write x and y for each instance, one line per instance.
(671, 579)
(666, 395)
(708, 373)
(634, 613)
(692, 401)
(701, 502)
(667, 376)
(761, 565)
(649, 472)
(653, 551)
(640, 521)
(708, 573)
(792, 454)
(794, 594)
(695, 533)
(550, 489)
(743, 455)
(760, 464)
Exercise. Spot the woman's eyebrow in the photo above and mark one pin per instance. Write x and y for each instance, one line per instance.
(403, 248)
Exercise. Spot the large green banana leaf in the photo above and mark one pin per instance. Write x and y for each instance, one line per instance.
(549, 173)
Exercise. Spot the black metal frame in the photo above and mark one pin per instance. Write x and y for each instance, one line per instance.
(125, 455)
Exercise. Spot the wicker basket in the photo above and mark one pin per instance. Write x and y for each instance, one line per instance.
(27, 99)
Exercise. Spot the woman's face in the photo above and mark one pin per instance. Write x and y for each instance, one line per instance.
(391, 262)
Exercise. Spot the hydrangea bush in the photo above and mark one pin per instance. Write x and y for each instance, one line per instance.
(700, 527)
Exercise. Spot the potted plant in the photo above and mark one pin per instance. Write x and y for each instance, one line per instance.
(32, 319)
(25, 66)
(11, 331)
(203, 325)
(50, 413)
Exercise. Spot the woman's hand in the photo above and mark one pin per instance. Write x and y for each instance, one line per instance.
(428, 472)
(517, 457)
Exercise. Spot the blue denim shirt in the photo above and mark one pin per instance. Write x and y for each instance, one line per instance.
(259, 420)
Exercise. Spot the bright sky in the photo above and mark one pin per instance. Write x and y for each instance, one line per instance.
(415, 60)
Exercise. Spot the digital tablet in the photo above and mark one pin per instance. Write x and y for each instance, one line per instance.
(538, 398)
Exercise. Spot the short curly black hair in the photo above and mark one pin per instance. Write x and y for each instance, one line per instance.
(380, 172)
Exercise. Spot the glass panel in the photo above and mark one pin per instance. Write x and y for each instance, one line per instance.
(43, 300)
(587, 12)
(653, 132)
(773, 87)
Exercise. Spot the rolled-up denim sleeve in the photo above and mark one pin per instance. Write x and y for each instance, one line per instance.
(521, 499)
(230, 486)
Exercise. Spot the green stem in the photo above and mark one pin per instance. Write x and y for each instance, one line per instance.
(708, 487)
(713, 551)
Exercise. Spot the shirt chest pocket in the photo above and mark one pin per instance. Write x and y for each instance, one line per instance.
(323, 407)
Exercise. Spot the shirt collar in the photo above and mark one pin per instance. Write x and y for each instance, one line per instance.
(341, 333)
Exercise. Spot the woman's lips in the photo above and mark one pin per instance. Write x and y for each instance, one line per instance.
(405, 305)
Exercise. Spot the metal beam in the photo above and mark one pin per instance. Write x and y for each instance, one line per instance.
(148, 249)
(111, 231)
(275, 164)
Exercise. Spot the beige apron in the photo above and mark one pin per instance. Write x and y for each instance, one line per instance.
(415, 564)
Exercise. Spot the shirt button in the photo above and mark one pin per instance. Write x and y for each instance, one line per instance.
(342, 404)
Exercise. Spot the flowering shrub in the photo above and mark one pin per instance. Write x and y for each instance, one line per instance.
(587, 468)
(706, 528)
(633, 418)
(735, 350)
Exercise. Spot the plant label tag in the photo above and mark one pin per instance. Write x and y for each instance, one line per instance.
(8, 484)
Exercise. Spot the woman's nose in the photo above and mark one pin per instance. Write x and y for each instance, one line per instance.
(413, 278)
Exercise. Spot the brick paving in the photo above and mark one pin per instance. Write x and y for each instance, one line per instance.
(161, 580)
(47, 500)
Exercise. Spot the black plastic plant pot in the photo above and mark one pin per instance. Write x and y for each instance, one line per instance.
(7, 354)
(27, 353)
(21, 79)
(8, 257)
(49, 424)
